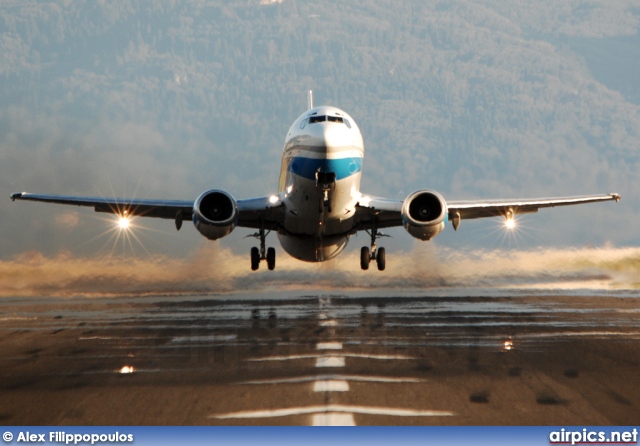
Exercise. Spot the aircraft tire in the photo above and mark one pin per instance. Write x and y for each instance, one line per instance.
(365, 258)
(381, 259)
(255, 259)
(271, 259)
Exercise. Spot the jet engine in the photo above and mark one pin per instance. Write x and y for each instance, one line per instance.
(215, 214)
(424, 214)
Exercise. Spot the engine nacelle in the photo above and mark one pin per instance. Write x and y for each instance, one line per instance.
(424, 214)
(215, 214)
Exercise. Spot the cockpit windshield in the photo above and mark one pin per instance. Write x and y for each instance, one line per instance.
(314, 119)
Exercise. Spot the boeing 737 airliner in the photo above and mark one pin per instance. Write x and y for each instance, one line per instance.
(319, 204)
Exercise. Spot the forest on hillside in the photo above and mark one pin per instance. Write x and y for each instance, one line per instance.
(472, 98)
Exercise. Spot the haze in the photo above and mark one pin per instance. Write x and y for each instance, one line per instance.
(168, 99)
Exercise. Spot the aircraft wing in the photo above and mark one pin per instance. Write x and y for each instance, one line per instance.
(145, 208)
(267, 212)
(387, 213)
(251, 211)
(492, 208)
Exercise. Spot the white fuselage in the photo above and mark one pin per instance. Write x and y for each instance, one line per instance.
(320, 183)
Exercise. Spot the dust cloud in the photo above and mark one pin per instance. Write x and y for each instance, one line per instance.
(214, 269)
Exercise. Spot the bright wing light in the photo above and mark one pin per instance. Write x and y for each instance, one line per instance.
(510, 223)
(123, 229)
(124, 222)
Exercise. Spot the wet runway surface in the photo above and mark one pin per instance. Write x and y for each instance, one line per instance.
(310, 358)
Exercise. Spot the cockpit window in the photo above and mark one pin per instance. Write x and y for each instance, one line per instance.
(323, 118)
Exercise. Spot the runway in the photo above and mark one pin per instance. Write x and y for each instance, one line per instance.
(315, 358)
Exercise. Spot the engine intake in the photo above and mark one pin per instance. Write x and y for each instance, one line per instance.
(424, 214)
(215, 214)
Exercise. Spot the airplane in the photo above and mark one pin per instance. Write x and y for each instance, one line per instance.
(319, 204)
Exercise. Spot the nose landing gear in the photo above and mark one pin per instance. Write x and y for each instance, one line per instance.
(326, 181)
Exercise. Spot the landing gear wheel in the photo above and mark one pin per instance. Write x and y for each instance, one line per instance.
(381, 259)
(271, 259)
(365, 258)
(255, 259)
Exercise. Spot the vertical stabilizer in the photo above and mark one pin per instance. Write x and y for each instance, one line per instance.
(310, 99)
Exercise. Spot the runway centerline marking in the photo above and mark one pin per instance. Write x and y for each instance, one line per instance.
(328, 323)
(365, 410)
(329, 346)
(331, 385)
(330, 361)
(333, 419)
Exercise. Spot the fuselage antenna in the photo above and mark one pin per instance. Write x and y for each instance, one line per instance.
(310, 99)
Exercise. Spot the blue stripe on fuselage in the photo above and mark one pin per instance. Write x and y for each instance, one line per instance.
(307, 167)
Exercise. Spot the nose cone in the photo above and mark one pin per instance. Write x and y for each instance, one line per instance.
(325, 130)
(335, 137)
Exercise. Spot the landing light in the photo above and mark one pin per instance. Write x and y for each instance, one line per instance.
(273, 199)
(124, 222)
(510, 223)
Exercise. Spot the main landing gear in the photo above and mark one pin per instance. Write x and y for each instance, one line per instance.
(373, 253)
(257, 255)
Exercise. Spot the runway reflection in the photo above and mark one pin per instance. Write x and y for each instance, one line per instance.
(321, 359)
